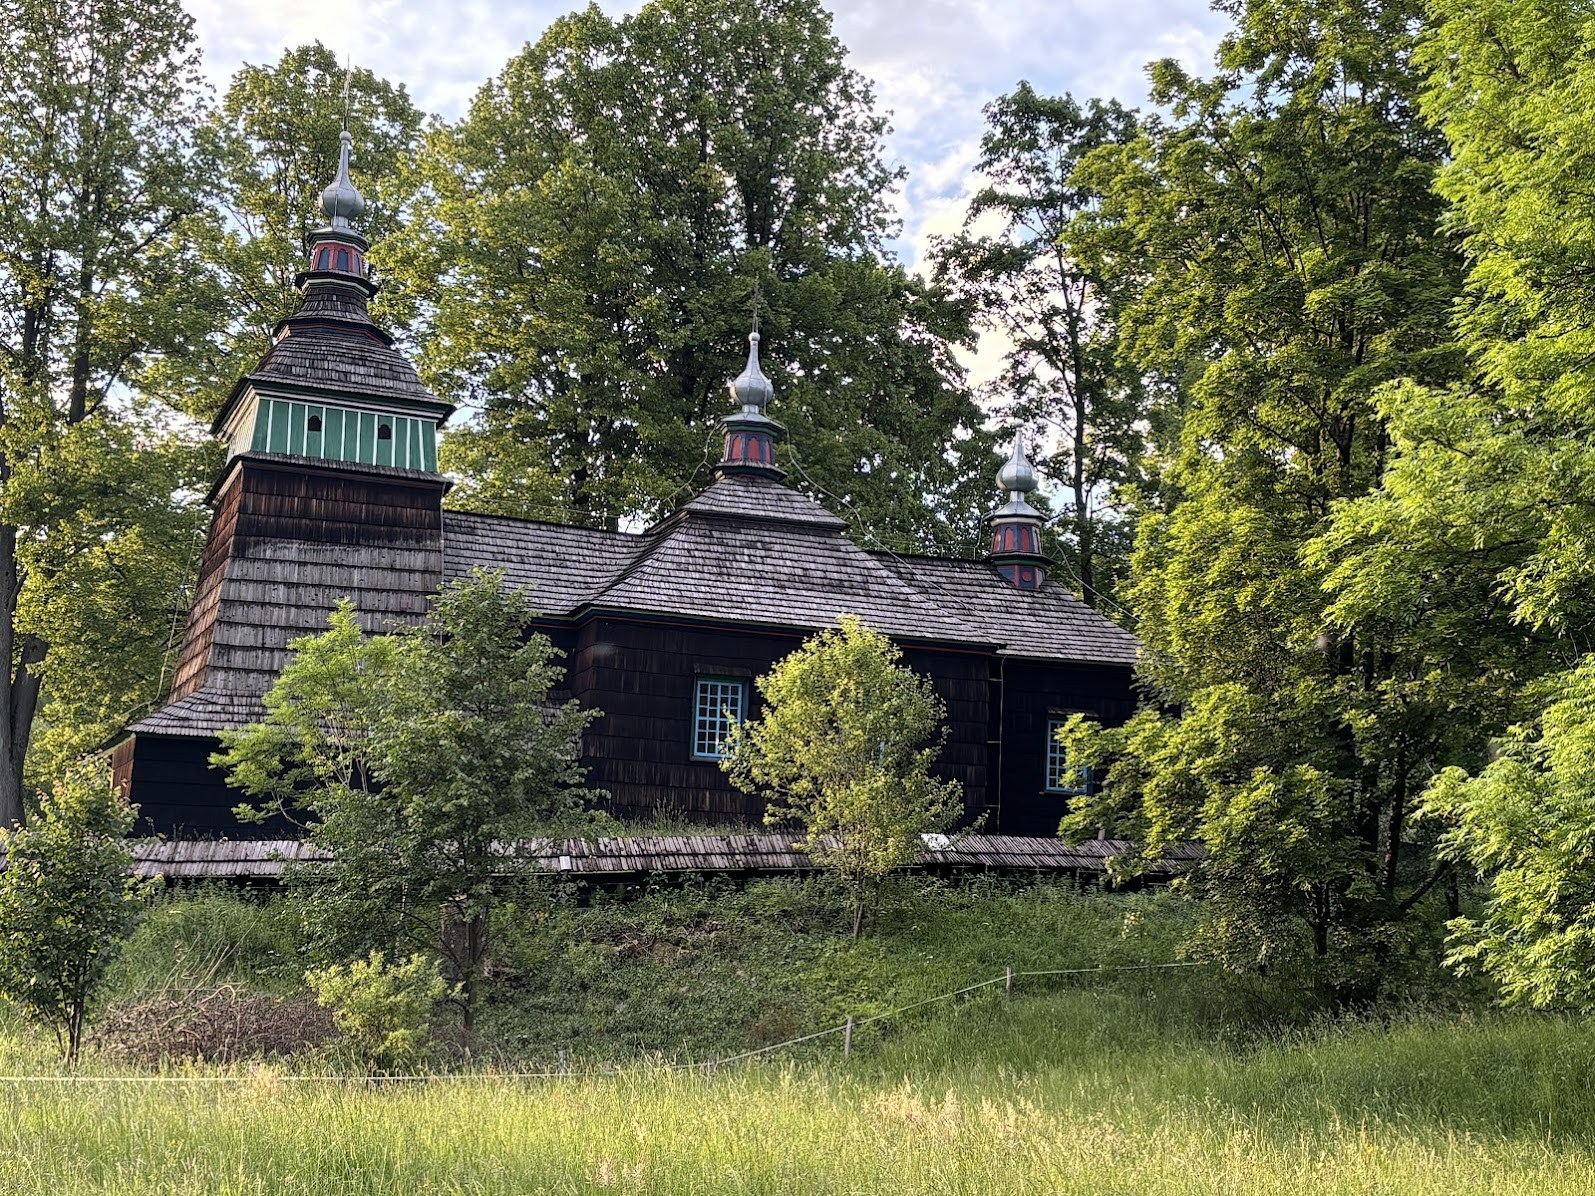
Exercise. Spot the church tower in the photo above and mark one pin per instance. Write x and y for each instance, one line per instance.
(330, 489)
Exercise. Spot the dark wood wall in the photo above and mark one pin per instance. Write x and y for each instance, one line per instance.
(643, 674)
(1027, 694)
(179, 794)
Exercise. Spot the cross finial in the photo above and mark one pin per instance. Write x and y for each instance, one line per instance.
(348, 76)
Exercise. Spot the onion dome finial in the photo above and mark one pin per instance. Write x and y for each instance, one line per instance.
(1017, 476)
(751, 389)
(341, 202)
(750, 433)
(1016, 525)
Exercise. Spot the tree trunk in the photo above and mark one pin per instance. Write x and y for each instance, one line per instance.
(475, 953)
(19, 691)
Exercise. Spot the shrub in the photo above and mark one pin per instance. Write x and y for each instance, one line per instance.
(383, 1010)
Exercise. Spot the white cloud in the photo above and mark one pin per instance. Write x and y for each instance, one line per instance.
(935, 62)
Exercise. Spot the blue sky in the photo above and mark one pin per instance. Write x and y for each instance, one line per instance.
(934, 62)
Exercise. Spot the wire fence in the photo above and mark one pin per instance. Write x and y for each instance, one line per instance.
(708, 1066)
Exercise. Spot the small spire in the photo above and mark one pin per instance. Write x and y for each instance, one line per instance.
(340, 202)
(751, 388)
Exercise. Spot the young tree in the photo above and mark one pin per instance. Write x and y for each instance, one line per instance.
(1028, 284)
(586, 251)
(67, 900)
(98, 104)
(1294, 264)
(841, 748)
(415, 757)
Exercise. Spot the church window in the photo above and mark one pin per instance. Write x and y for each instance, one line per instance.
(1060, 778)
(719, 703)
(384, 431)
(343, 260)
(314, 425)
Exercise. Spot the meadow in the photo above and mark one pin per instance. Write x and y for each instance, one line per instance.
(1126, 1083)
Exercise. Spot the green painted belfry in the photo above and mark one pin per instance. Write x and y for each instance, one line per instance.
(333, 388)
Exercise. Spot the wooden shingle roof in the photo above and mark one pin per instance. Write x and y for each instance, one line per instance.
(339, 361)
(604, 857)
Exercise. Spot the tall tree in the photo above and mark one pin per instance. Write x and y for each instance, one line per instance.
(1295, 265)
(269, 148)
(588, 245)
(98, 102)
(1029, 286)
(1500, 469)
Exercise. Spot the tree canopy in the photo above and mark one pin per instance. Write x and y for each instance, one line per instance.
(587, 248)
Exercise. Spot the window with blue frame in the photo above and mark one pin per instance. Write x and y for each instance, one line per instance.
(1059, 778)
(718, 704)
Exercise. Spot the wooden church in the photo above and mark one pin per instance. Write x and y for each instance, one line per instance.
(331, 490)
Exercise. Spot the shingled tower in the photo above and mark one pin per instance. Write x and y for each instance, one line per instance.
(330, 489)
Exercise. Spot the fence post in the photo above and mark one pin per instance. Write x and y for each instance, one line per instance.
(847, 1038)
(564, 1065)
(1007, 982)
(711, 1064)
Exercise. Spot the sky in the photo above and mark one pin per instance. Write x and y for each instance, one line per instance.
(935, 63)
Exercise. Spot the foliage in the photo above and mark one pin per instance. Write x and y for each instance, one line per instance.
(98, 105)
(588, 243)
(1526, 822)
(414, 756)
(841, 749)
(382, 1009)
(1026, 284)
(1289, 261)
(66, 903)
(270, 146)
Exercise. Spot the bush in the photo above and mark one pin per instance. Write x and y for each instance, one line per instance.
(383, 1010)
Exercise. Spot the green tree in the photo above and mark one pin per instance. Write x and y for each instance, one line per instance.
(1527, 823)
(845, 747)
(588, 242)
(1028, 285)
(98, 103)
(1481, 532)
(269, 149)
(1292, 263)
(67, 901)
(414, 757)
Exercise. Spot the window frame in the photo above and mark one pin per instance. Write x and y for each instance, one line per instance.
(699, 721)
(1057, 755)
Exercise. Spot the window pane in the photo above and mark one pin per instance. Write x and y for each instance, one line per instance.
(717, 705)
(1058, 778)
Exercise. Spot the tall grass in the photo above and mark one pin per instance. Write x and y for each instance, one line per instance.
(1034, 1104)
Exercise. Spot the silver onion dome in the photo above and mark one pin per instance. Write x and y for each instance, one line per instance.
(1017, 476)
(340, 202)
(751, 389)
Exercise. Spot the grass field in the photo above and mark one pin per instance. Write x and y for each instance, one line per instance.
(1032, 1097)
(1140, 1082)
